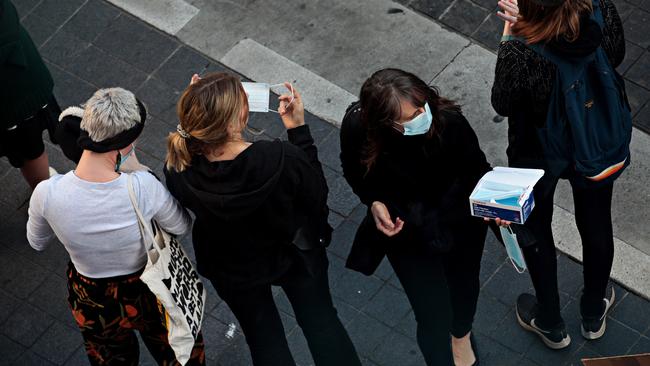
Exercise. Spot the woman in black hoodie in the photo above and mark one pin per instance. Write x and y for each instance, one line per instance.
(522, 89)
(261, 218)
(413, 159)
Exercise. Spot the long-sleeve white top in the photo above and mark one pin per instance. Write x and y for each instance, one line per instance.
(96, 222)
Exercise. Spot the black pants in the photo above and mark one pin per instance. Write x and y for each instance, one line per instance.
(594, 221)
(310, 298)
(442, 289)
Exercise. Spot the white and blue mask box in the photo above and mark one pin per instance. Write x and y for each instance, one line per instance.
(505, 193)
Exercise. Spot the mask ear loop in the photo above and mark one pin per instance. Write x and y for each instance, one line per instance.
(516, 266)
(292, 96)
(118, 162)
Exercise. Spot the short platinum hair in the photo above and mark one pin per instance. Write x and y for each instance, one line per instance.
(109, 112)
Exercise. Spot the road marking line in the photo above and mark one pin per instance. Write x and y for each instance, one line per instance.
(321, 97)
(170, 16)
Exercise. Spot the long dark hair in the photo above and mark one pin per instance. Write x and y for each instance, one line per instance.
(538, 24)
(380, 101)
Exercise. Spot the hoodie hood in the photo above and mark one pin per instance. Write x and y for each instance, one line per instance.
(235, 188)
(587, 43)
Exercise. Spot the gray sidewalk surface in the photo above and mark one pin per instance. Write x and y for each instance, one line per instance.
(90, 44)
(330, 47)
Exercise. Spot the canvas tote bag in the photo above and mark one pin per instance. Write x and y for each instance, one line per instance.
(170, 275)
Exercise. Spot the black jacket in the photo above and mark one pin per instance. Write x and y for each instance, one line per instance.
(25, 82)
(524, 79)
(412, 171)
(249, 209)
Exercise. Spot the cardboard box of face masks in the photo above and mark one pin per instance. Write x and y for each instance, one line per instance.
(505, 193)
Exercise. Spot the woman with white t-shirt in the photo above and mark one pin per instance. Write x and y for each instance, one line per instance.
(90, 212)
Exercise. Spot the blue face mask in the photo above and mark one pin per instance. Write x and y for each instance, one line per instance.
(420, 124)
(513, 249)
(124, 158)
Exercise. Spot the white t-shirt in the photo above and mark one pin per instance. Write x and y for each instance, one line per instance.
(96, 222)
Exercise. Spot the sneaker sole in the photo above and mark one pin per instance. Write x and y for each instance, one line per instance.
(550, 344)
(595, 335)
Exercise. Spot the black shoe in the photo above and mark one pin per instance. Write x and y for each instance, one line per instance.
(594, 328)
(474, 349)
(527, 308)
(472, 342)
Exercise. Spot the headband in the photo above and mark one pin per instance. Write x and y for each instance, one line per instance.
(117, 142)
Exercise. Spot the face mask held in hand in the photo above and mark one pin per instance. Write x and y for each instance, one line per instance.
(259, 95)
(512, 247)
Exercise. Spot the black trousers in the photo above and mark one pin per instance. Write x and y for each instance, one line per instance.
(310, 298)
(442, 289)
(594, 222)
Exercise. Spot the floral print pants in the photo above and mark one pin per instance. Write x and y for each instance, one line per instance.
(109, 310)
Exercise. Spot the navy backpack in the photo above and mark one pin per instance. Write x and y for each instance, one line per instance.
(589, 122)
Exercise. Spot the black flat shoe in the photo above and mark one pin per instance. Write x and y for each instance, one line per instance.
(474, 349)
(472, 342)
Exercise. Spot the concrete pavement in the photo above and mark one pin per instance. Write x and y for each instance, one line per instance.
(344, 42)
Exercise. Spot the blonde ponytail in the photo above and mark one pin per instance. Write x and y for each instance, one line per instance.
(179, 156)
(206, 110)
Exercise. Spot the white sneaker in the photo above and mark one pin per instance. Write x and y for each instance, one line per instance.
(595, 328)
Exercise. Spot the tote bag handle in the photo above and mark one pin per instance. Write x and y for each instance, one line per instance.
(145, 228)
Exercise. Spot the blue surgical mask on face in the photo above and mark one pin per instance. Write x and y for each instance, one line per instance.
(420, 124)
(512, 248)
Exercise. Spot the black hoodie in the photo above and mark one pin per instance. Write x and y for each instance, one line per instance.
(523, 81)
(248, 209)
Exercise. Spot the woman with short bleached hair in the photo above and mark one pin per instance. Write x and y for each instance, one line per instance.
(100, 231)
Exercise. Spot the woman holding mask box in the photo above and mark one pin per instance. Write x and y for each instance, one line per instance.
(523, 90)
(413, 159)
(261, 218)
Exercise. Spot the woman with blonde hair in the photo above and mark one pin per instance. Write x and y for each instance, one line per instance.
(261, 218)
(569, 32)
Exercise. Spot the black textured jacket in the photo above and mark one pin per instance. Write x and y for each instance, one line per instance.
(248, 209)
(523, 81)
(439, 173)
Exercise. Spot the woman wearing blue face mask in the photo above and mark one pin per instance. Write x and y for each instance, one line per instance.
(413, 159)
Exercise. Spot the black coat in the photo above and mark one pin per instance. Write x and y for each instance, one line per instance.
(524, 80)
(433, 175)
(25, 82)
(249, 209)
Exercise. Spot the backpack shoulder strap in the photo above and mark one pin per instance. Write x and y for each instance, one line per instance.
(597, 14)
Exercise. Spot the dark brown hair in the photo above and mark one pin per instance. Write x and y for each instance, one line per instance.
(205, 110)
(542, 24)
(380, 101)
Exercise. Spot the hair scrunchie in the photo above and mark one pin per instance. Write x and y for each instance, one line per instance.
(182, 132)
